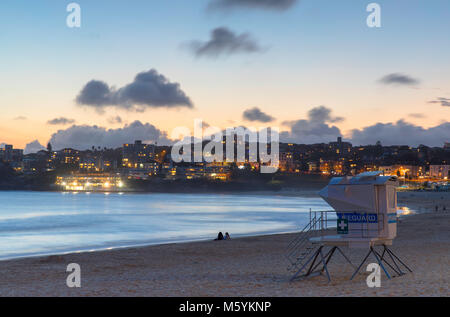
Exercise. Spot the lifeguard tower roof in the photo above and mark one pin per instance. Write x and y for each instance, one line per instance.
(356, 193)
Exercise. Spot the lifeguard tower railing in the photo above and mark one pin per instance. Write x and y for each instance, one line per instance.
(325, 223)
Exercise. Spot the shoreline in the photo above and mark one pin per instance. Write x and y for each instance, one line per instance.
(295, 191)
(416, 205)
(248, 266)
(141, 245)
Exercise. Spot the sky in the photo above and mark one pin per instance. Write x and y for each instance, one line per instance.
(139, 69)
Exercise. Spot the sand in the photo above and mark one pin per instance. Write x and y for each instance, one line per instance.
(422, 201)
(252, 266)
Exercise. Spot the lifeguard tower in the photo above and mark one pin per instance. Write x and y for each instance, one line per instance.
(364, 216)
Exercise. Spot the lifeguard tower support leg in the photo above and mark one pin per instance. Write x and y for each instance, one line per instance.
(325, 264)
(392, 255)
(325, 259)
(379, 260)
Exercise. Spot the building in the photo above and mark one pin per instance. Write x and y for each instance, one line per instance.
(90, 182)
(440, 171)
(331, 167)
(313, 167)
(96, 161)
(69, 156)
(340, 147)
(402, 170)
(144, 170)
(134, 154)
(36, 162)
(199, 171)
(287, 162)
(11, 155)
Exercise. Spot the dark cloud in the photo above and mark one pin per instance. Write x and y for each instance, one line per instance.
(33, 147)
(315, 129)
(398, 79)
(115, 120)
(323, 114)
(95, 93)
(225, 42)
(444, 102)
(276, 5)
(60, 121)
(401, 133)
(148, 90)
(255, 114)
(83, 137)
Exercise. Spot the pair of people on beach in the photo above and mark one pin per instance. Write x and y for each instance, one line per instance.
(220, 236)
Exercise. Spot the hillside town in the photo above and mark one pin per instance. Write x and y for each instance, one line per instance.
(109, 169)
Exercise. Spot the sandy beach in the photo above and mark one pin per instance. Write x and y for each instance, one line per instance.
(252, 266)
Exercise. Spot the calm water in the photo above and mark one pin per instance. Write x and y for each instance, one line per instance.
(36, 223)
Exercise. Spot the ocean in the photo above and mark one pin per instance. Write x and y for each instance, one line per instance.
(44, 223)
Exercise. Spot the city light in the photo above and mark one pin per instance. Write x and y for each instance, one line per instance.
(90, 182)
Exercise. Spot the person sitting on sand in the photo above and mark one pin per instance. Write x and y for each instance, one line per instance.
(219, 236)
(227, 236)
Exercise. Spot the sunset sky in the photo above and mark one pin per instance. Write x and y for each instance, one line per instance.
(283, 57)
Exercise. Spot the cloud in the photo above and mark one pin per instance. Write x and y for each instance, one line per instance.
(20, 118)
(83, 137)
(398, 79)
(444, 102)
(417, 115)
(224, 42)
(323, 114)
(274, 5)
(255, 114)
(60, 121)
(315, 129)
(34, 147)
(115, 120)
(148, 90)
(401, 133)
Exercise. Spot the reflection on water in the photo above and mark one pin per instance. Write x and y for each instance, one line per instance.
(34, 223)
(404, 211)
